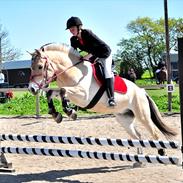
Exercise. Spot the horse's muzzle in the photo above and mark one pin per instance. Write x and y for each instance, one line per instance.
(33, 89)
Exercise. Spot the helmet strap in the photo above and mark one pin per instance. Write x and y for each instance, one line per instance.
(78, 28)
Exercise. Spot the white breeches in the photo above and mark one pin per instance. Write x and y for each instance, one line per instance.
(107, 63)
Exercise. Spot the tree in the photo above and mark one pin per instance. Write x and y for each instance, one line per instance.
(149, 36)
(130, 55)
(7, 52)
(175, 31)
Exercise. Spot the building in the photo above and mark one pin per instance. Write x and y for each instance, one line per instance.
(174, 64)
(17, 73)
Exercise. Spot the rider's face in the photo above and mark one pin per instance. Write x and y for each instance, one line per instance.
(74, 30)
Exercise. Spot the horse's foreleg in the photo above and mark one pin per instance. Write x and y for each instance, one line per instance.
(57, 116)
(65, 104)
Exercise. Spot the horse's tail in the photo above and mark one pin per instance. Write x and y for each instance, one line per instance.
(157, 119)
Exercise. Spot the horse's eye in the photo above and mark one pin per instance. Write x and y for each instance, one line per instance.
(40, 67)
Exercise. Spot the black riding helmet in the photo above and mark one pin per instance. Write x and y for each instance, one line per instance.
(73, 21)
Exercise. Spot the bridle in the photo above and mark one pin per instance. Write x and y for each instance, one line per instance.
(46, 80)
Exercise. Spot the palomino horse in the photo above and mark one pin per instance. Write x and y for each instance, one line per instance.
(75, 80)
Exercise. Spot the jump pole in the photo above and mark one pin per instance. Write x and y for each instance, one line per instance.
(92, 155)
(180, 72)
(91, 141)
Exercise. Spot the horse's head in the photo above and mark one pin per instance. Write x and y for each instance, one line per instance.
(42, 72)
(54, 62)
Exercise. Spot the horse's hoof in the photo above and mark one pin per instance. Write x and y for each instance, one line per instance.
(54, 114)
(59, 118)
(161, 152)
(62, 91)
(50, 111)
(73, 115)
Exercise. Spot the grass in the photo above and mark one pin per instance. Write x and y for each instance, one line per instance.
(146, 75)
(145, 82)
(19, 94)
(162, 92)
(23, 103)
(160, 96)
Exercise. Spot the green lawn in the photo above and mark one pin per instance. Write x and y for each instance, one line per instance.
(146, 75)
(161, 92)
(23, 103)
(160, 96)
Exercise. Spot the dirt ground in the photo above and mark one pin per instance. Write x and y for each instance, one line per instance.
(41, 169)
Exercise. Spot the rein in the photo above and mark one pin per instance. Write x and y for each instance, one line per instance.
(45, 74)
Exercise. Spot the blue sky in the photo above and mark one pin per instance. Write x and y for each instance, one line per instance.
(32, 23)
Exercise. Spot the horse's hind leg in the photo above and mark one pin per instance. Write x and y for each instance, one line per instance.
(152, 129)
(57, 116)
(143, 115)
(127, 119)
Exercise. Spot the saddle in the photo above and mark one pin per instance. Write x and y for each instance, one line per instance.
(98, 73)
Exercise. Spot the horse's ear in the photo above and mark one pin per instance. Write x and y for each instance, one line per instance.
(30, 53)
(38, 52)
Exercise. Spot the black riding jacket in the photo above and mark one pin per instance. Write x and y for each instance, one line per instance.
(91, 44)
(161, 64)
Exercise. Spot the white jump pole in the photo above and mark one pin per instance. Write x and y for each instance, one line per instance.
(91, 155)
(91, 141)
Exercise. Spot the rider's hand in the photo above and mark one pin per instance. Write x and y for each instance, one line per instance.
(81, 58)
(86, 57)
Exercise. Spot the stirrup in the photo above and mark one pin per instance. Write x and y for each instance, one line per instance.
(111, 102)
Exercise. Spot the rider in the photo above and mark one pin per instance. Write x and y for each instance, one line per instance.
(86, 40)
(161, 64)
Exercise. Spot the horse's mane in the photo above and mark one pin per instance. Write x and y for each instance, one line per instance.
(60, 47)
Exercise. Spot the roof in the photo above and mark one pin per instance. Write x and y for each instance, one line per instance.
(16, 64)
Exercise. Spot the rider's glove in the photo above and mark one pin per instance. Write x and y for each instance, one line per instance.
(81, 58)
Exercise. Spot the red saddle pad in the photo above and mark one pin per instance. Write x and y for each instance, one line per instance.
(119, 85)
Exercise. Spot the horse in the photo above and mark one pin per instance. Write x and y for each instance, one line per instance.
(75, 79)
(131, 75)
(161, 75)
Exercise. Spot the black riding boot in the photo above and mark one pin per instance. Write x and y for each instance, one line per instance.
(110, 91)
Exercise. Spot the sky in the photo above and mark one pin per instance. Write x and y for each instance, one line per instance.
(33, 23)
